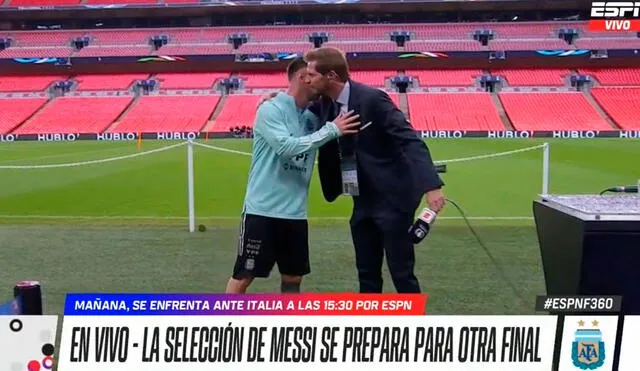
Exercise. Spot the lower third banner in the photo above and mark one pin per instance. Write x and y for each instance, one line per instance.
(261, 342)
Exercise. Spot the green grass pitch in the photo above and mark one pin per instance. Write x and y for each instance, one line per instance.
(122, 226)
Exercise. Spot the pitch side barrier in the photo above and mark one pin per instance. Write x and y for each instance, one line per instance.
(440, 134)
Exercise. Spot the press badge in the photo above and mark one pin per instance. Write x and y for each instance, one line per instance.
(349, 176)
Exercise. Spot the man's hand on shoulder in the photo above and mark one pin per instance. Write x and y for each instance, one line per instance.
(435, 200)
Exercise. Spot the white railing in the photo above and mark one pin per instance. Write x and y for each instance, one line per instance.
(190, 166)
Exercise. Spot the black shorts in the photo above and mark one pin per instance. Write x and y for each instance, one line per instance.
(265, 241)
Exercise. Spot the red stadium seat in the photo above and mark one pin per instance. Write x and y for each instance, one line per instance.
(359, 32)
(202, 49)
(524, 44)
(27, 83)
(108, 81)
(614, 76)
(445, 77)
(395, 98)
(122, 37)
(518, 30)
(168, 114)
(552, 111)
(533, 77)
(443, 46)
(122, 2)
(621, 104)
(114, 51)
(36, 52)
(14, 111)
(608, 43)
(425, 37)
(264, 79)
(291, 47)
(238, 110)
(374, 78)
(453, 111)
(42, 2)
(43, 38)
(357, 47)
(189, 80)
(76, 115)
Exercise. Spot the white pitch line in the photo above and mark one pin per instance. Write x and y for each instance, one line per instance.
(66, 154)
(133, 217)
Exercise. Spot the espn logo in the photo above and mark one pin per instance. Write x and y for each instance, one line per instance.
(611, 16)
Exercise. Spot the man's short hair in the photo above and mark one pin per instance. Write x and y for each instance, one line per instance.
(295, 66)
(329, 59)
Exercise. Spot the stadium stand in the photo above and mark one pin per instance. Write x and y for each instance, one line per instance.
(108, 2)
(299, 33)
(27, 83)
(189, 80)
(43, 2)
(395, 98)
(359, 32)
(180, 1)
(520, 30)
(107, 81)
(374, 78)
(118, 37)
(608, 43)
(444, 45)
(351, 38)
(552, 111)
(41, 38)
(527, 44)
(614, 76)
(533, 77)
(15, 111)
(453, 111)
(193, 49)
(292, 47)
(264, 79)
(356, 47)
(113, 51)
(621, 104)
(75, 115)
(457, 77)
(36, 52)
(164, 113)
(533, 98)
(238, 110)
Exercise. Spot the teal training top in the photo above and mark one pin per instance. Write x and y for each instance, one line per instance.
(285, 142)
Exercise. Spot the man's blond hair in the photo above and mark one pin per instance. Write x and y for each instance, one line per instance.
(329, 59)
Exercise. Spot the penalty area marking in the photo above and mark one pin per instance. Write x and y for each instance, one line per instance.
(147, 217)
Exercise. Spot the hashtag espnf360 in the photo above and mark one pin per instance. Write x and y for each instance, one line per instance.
(582, 303)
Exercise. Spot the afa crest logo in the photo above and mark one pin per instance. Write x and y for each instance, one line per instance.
(588, 350)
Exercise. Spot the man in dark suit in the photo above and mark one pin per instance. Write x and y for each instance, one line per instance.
(386, 167)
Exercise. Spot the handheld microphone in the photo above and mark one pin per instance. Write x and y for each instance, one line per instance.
(622, 189)
(420, 228)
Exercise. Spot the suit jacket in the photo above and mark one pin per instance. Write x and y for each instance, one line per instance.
(392, 161)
